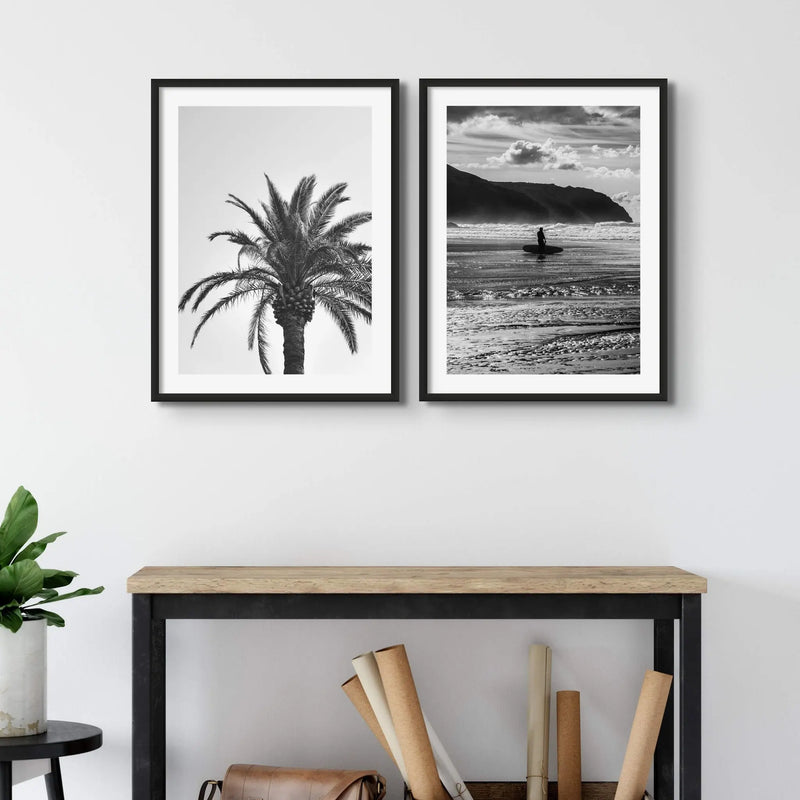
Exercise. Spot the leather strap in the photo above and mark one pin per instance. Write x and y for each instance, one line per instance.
(216, 786)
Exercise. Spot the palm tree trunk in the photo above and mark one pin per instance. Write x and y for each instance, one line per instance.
(294, 345)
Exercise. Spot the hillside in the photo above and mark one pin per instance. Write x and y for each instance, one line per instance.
(473, 199)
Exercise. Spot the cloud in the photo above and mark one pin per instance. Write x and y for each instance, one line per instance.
(519, 115)
(605, 172)
(626, 198)
(486, 125)
(547, 155)
(618, 115)
(631, 151)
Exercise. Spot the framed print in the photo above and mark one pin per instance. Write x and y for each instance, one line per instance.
(274, 240)
(543, 239)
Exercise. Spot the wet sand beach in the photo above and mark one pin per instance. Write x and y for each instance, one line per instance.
(575, 312)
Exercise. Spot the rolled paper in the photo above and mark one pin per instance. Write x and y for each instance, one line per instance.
(366, 668)
(643, 736)
(354, 689)
(568, 738)
(448, 774)
(409, 723)
(539, 664)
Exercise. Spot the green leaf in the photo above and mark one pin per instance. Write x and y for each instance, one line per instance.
(19, 524)
(35, 549)
(47, 594)
(52, 618)
(76, 593)
(11, 618)
(20, 581)
(56, 578)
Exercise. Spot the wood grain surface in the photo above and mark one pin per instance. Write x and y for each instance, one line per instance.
(415, 580)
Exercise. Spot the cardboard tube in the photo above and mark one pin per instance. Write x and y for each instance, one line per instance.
(366, 668)
(568, 738)
(644, 733)
(371, 703)
(401, 693)
(358, 697)
(539, 664)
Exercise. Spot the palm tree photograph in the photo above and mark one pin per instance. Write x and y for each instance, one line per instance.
(275, 240)
(296, 260)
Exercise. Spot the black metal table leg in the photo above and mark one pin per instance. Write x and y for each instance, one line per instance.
(664, 661)
(149, 701)
(5, 780)
(55, 788)
(690, 676)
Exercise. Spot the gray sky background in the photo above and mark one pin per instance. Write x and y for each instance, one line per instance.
(593, 146)
(227, 150)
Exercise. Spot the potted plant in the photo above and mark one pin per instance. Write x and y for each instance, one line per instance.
(25, 588)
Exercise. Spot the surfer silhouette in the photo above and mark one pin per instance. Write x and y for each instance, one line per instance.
(542, 239)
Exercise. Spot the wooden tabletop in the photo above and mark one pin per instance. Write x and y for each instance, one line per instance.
(415, 580)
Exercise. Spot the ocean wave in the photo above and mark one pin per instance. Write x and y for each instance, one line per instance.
(598, 231)
(601, 343)
(630, 289)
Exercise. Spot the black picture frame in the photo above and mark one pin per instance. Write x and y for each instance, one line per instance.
(425, 85)
(157, 394)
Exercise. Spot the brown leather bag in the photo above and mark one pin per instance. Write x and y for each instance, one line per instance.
(254, 782)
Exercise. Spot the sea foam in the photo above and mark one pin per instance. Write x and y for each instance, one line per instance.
(599, 231)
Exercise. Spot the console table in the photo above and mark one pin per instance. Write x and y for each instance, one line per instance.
(663, 594)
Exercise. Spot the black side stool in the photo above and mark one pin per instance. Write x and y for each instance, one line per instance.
(61, 739)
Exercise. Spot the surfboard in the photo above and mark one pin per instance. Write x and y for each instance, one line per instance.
(548, 249)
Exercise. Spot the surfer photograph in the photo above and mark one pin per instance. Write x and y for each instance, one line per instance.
(512, 172)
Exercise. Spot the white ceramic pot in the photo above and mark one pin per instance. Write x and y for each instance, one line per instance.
(23, 679)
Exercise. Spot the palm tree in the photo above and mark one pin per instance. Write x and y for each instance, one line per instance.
(297, 259)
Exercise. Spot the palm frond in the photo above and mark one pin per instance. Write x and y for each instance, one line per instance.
(319, 256)
(301, 198)
(357, 291)
(234, 237)
(358, 248)
(258, 329)
(346, 268)
(278, 255)
(226, 302)
(328, 268)
(262, 224)
(187, 295)
(297, 256)
(343, 319)
(353, 305)
(346, 225)
(262, 345)
(257, 255)
(323, 210)
(278, 207)
(211, 282)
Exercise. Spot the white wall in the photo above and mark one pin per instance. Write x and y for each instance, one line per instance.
(708, 482)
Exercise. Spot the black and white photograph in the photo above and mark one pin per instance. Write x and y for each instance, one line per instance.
(274, 240)
(543, 263)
